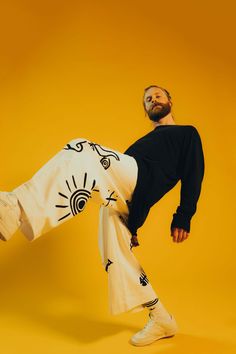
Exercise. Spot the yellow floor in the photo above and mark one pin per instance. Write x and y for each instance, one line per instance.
(58, 323)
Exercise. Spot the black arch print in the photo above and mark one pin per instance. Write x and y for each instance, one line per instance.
(105, 161)
(79, 146)
(78, 198)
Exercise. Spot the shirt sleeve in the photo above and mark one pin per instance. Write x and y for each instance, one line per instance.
(191, 176)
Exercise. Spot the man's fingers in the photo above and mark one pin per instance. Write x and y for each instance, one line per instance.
(179, 235)
(174, 234)
(186, 235)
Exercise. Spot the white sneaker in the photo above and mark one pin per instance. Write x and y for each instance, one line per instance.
(155, 329)
(10, 214)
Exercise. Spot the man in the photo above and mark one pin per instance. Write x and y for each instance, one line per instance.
(126, 186)
(167, 154)
(157, 104)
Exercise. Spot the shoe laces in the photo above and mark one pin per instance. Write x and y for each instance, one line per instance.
(149, 324)
(153, 320)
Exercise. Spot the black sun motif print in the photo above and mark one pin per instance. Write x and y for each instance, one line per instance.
(79, 146)
(76, 202)
(143, 279)
(106, 154)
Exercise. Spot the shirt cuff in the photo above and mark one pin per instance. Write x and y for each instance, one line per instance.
(181, 221)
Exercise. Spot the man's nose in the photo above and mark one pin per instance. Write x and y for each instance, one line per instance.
(154, 101)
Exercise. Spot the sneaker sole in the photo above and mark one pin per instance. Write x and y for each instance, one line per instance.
(168, 334)
(152, 341)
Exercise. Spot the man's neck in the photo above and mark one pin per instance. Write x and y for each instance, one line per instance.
(167, 120)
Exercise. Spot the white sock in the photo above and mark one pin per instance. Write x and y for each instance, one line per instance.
(151, 305)
(157, 309)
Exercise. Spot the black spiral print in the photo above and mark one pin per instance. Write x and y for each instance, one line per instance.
(105, 162)
(106, 155)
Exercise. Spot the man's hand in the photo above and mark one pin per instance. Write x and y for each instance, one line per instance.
(179, 235)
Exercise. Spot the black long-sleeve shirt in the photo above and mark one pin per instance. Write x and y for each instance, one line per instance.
(164, 156)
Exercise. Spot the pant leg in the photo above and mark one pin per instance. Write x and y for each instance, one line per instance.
(61, 188)
(80, 172)
(128, 285)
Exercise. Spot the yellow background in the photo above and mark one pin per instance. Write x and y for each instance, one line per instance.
(78, 69)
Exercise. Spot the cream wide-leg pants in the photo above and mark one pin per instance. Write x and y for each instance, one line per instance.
(81, 171)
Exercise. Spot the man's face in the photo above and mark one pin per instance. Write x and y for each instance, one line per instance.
(157, 104)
